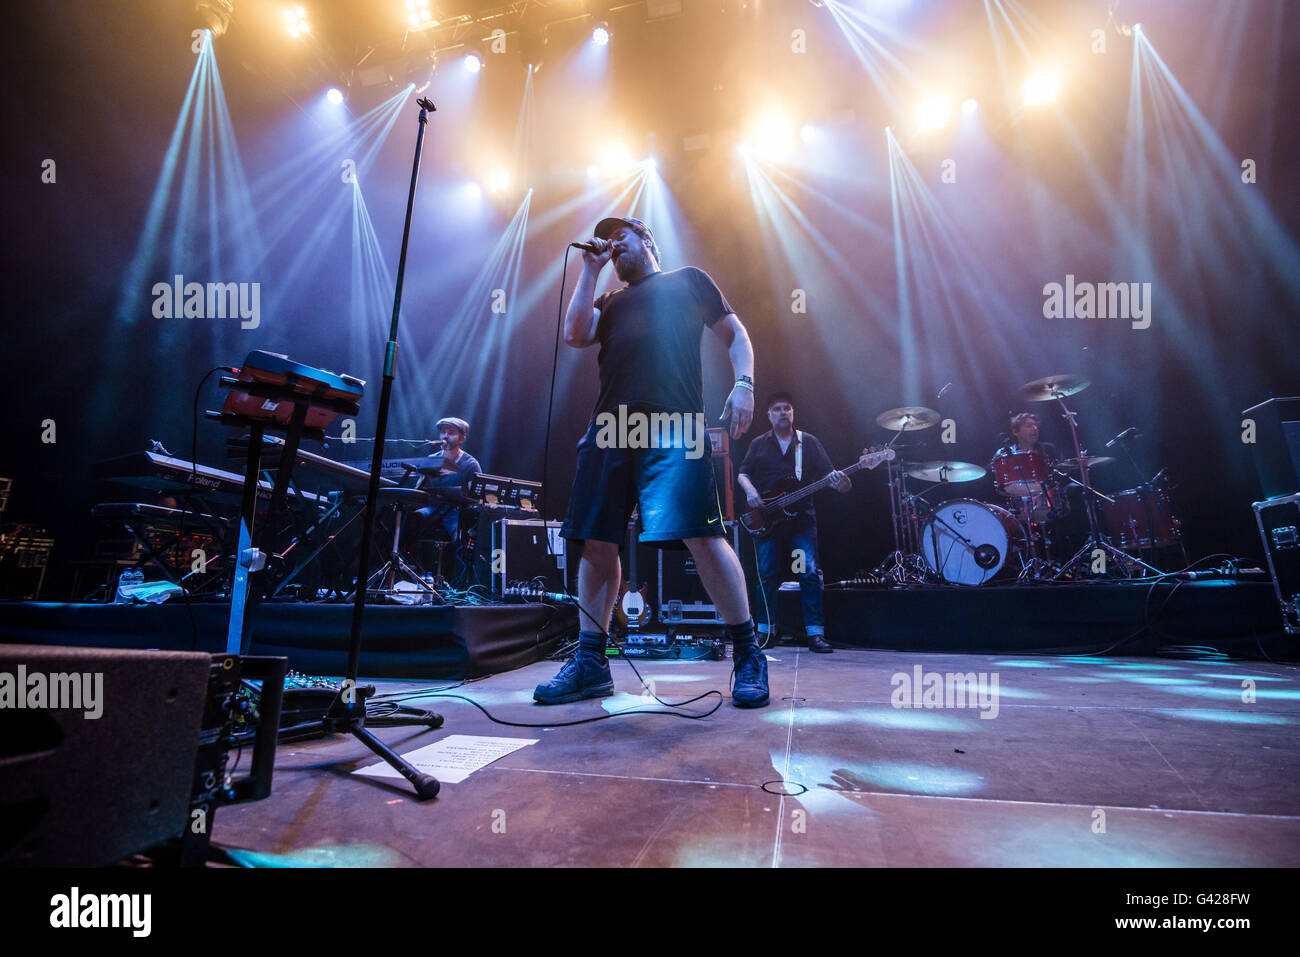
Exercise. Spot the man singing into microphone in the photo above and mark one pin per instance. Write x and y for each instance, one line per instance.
(649, 335)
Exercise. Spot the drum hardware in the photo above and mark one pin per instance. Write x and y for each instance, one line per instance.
(1152, 525)
(904, 565)
(1057, 388)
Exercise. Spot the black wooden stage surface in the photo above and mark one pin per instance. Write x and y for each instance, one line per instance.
(1240, 619)
(1129, 762)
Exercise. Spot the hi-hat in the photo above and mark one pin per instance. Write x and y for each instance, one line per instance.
(908, 419)
(948, 472)
(1054, 387)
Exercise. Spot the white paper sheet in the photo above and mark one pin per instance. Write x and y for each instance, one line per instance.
(454, 758)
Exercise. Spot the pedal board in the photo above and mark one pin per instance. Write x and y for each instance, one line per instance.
(671, 647)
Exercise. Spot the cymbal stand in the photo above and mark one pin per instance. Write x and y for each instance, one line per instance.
(904, 565)
(901, 566)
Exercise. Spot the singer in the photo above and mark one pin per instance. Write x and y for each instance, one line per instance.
(649, 334)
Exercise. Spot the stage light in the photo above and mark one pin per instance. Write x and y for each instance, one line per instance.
(614, 159)
(418, 15)
(593, 171)
(600, 35)
(295, 21)
(334, 95)
(1041, 87)
(499, 182)
(772, 138)
(808, 133)
(933, 113)
(472, 63)
(969, 106)
(473, 190)
(215, 15)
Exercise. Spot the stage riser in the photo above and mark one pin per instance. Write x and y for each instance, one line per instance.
(397, 642)
(1234, 618)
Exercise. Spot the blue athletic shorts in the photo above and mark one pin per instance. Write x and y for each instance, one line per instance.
(677, 494)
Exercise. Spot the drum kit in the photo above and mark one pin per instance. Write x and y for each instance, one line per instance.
(965, 541)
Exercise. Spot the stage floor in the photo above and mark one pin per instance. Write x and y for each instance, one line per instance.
(1127, 762)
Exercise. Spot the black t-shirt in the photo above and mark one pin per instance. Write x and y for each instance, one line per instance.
(649, 334)
(766, 465)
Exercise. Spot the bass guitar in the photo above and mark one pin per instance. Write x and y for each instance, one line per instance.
(777, 500)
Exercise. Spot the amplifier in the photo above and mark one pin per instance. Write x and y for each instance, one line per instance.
(24, 557)
(682, 598)
(1277, 444)
(724, 472)
(1279, 527)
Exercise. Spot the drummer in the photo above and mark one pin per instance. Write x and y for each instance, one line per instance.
(1047, 502)
(1024, 438)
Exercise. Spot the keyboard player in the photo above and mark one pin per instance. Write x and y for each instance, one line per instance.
(445, 477)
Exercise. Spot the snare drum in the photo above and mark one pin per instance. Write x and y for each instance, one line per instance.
(1021, 473)
(1141, 518)
(991, 534)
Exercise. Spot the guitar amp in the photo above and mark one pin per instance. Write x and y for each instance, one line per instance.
(682, 597)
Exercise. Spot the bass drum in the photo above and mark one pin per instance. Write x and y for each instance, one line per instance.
(966, 542)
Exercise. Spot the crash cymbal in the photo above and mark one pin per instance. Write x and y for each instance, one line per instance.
(1053, 387)
(909, 418)
(1092, 460)
(948, 472)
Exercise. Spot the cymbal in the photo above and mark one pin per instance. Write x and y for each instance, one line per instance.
(948, 472)
(909, 418)
(1092, 460)
(1054, 386)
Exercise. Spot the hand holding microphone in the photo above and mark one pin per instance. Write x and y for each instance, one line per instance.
(595, 252)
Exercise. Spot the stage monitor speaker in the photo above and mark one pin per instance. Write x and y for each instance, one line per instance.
(1277, 445)
(97, 751)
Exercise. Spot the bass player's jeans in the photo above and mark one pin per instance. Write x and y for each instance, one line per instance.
(791, 550)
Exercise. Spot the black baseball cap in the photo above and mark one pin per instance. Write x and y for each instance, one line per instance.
(606, 227)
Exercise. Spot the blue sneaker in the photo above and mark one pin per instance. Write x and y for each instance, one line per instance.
(749, 687)
(583, 676)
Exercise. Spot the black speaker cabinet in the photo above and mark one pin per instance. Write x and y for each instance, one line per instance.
(1277, 445)
(97, 751)
(683, 599)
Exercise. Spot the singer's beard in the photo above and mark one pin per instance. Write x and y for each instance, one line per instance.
(630, 265)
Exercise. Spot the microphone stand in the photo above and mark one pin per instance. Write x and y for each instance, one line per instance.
(347, 713)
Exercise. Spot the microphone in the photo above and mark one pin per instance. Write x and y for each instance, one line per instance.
(591, 247)
(1128, 433)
